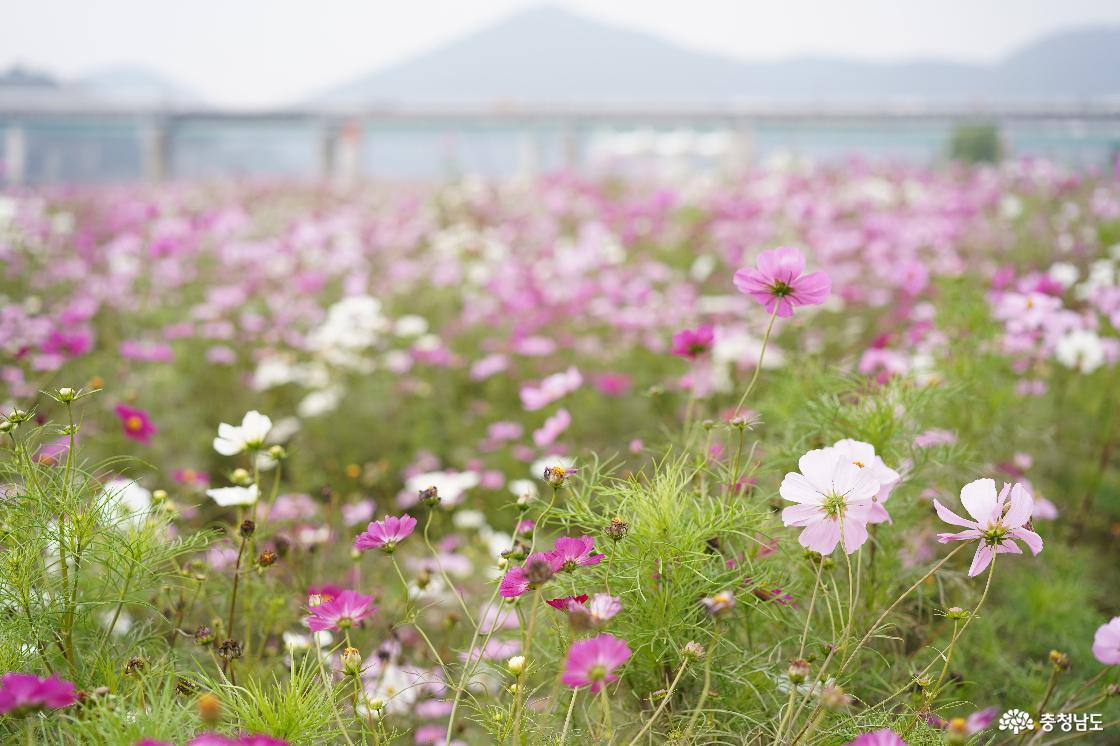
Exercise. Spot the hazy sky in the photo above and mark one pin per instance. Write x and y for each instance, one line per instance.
(264, 52)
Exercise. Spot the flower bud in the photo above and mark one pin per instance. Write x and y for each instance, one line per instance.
(351, 661)
(538, 571)
(956, 613)
(798, 670)
(694, 649)
(617, 528)
(18, 415)
(834, 698)
(277, 453)
(203, 635)
(159, 496)
(229, 649)
(512, 689)
(248, 527)
(241, 477)
(523, 502)
(6, 426)
(1060, 660)
(67, 394)
(135, 664)
(516, 665)
(430, 496)
(267, 558)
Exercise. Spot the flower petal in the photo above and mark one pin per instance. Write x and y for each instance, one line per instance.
(979, 499)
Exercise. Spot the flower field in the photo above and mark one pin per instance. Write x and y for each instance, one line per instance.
(811, 455)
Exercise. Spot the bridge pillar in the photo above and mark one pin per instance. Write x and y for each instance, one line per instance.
(340, 154)
(14, 163)
(156, 150)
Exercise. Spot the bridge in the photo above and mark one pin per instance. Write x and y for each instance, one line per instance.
(47, 139)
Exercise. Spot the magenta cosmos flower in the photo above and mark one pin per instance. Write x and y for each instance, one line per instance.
(136, 423)
(884, 737)
(592, 662)
(571, 553)
(778, 284)
(835, 500)
(1106, 643)
(692, 343)
(341, 612)
(385, 534)
(1000, 518)
(567, 603)
(245, 739)
(21, 693)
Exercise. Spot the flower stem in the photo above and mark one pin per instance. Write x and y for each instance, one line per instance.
(568, 718)
(527, 646)
(758, 368)
(443, 572)
(661, 707)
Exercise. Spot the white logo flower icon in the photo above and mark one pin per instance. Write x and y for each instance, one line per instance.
(1016, 721)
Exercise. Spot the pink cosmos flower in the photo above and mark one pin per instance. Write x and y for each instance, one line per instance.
(778, 284)
(21, 693)
(136, 423)
(551, 388)
(863, 455)
(884, 737)
(835, 501)
(552, 428)
(960, 728)
(602, 607)
(692, 343)
(385, 534)
(592, 662)
(1106, 643)
(999, 519)
(517, 580)
(571, 553)
(245, 739)
(341, 612)
(567, 603)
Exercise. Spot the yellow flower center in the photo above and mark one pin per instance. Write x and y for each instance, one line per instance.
(134, 424)
(860, 464)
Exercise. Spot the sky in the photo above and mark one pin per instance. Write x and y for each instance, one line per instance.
(261, 53)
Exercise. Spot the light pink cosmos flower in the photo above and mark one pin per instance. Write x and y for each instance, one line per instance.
(999, 519)
(778, 284)
(835, 501)
(385, 534)
(592, 662)
(552, 428)
(692, 343)
(863, 455)
(551, 388)
(1106, 643)
(21, 693)
(341, 612)
(884, 737)
(602, 607)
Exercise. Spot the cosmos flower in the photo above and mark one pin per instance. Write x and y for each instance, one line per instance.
(999, 519)
(245, 739)
(834, 497)
(1106, 643)
(22, 693)
(571, 553)
(884, 737)
(552, 428)
(602, 607)
(230, 496)
(136, 423)
(340, 612)
(567, 603)
(386, 533)
(127, 501)
(249, 436)
(720, 603)
(692, 343)
(777, 281)
(592, 662)
(863, 455)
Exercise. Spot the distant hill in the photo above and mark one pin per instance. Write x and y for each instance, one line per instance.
(122, 86)
(551, 55)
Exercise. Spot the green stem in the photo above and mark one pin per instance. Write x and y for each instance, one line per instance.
(660, 708)
(527, 646)
(568, 718)
(442, 572)
(707, 687)
(757, 368)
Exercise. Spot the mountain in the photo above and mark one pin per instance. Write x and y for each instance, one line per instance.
(123, 86)
(548, 55)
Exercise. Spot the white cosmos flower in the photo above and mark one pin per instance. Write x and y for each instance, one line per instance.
(228, 496)
(449, 484)
(523, 487)
(1080, 349)
(128, 500)
(250, 435)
